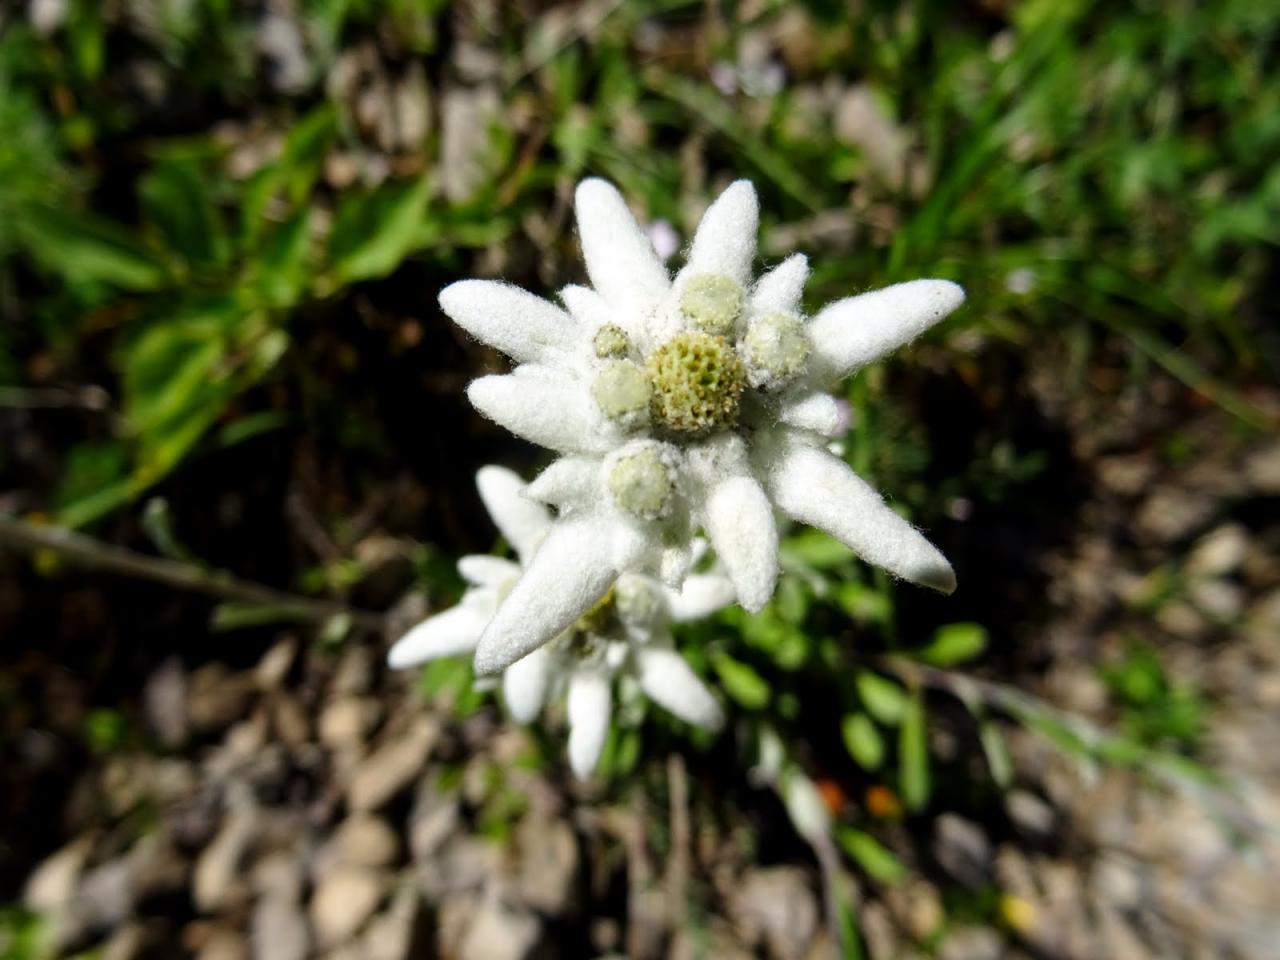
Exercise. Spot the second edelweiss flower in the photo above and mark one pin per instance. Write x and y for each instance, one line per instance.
(625, 638)
(683, 405)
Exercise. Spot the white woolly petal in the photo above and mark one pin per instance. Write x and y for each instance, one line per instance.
(725, 241)
(853, 332)
(522, 521)
(570, 571)
(701, 595)
(588, 707)
(675, 563)
(670, 682)
(457, 630)
(621, 262)
(741, 527)
(812, 486)
(780, 290)
(586, 306)
(540, 407)
(521, 325)
(524, 684)
(486, 571)
(569, 481)
(819, 412)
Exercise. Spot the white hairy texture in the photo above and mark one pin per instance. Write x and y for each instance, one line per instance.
(455, 631)
(575, 565)
(522, 521)
(521, 325)
(588, 707)
(725, 241)
(819, 412)
(675, 564)
(540, 406)
(670, 682)
(856, 331)
(813, 487)
(760, 458)
(486, 571)
(586, 306)
(701, 595)
(638, 647)
(779, 290)
(741, 527)
(525, 683)
(621, 262)
(568, 481)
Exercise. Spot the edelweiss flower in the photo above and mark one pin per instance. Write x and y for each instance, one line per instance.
(684, 405)
(625, 635)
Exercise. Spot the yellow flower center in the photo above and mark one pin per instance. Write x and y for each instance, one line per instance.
(696, 382)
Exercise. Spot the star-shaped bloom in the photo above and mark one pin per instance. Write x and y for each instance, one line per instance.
(684, 405)
(625, 636)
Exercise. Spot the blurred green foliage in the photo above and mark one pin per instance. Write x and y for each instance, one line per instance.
(1154, 710)
(1092, 173)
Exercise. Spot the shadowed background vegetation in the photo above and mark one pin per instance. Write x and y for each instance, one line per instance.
(223, 226)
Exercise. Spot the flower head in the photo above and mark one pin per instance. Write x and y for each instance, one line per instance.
(684, 405)
(623, 636)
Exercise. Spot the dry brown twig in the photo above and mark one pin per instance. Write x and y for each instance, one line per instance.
(95, 554)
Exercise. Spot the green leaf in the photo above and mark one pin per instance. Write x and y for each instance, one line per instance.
(373, 234)
(446, 677)
(997, 753)
(181, 373)
(815, 549)
(874, 858)
(175, 199)
(954, 643)
(235, 615)
(281, 271)
(862, 602)
(863, 740)
(295, 172)
(741, 681)
(884, 698)
(621, 753)
(86, 249)
(913, 756)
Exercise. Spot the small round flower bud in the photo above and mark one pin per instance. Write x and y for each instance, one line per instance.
(611, 341)
(621, 390)
(696, 382)
(712, 302)
(639, 603)
(642, 483)
(776, 350)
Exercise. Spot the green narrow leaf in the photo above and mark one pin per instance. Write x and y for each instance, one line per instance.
(175, 200)
(954, 643)
(281, 271)
(83, 248)
(741, 681)
(913, 755)
(236, 615)
(815, 549)
(884, 698)
(372, 234)
(871, 855)
(997, 753)
(863, 740)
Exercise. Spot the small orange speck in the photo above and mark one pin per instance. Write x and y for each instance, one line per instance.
(883, 802)
(832, 795)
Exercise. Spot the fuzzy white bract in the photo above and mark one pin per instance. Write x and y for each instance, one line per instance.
(684, 405)
(624, 637)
